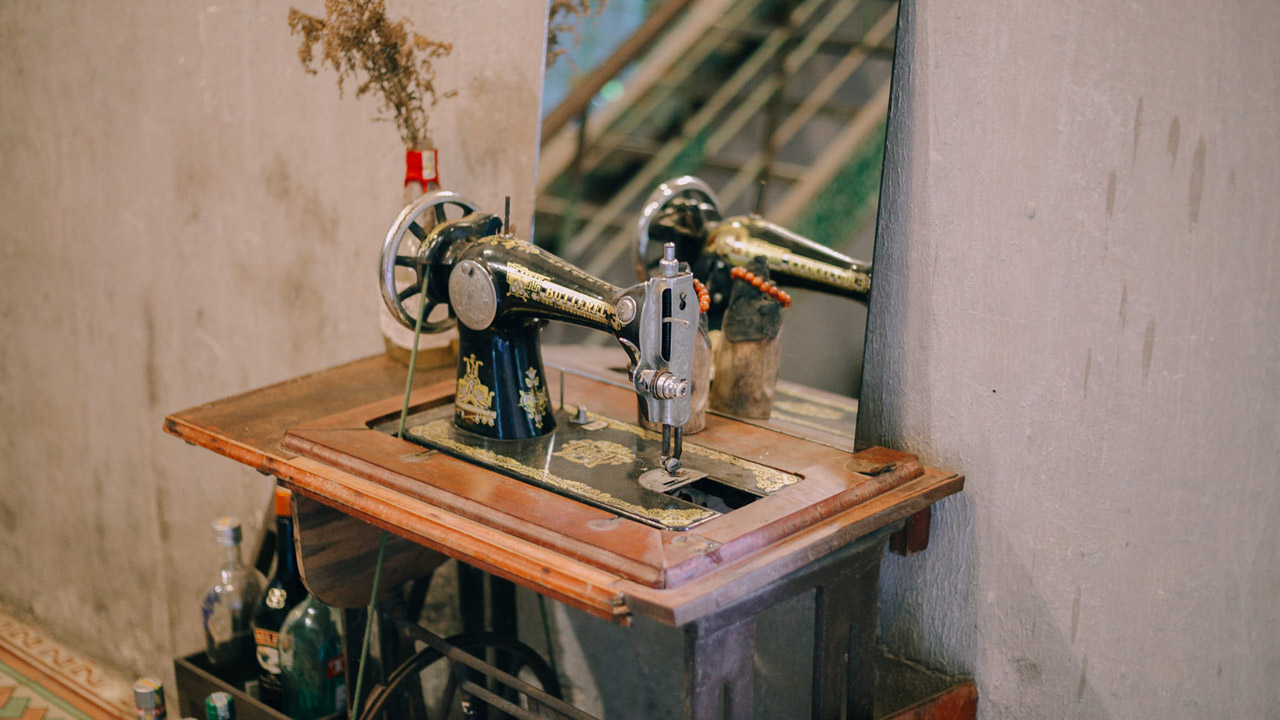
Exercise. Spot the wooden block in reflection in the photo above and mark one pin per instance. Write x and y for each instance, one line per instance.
(746, 373)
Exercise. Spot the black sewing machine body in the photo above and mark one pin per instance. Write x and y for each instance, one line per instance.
(501, 290)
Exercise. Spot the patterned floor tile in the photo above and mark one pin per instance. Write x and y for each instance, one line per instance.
(41, 679)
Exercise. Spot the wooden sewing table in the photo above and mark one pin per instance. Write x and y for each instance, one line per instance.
(827, 532)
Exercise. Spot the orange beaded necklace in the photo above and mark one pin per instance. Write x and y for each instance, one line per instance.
(760, 284)
(704, 297)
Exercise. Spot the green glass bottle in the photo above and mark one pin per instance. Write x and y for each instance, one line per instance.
(312, 663)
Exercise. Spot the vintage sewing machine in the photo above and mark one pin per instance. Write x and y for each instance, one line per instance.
(500, 290)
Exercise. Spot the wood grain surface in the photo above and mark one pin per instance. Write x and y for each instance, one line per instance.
(643, 554)
(569, 551)
(746, 375)
(339, 553)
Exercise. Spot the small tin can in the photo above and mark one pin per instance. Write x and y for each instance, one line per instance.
(148, 697)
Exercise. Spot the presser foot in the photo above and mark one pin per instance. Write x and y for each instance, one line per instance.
(662, 480)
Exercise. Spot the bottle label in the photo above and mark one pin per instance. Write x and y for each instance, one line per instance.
(207, 603)
(334, 667)
(219, 620)
(268, 643)
(276, 598)
(420, 167)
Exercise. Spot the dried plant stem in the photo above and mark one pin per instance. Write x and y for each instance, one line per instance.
(359, 42)
(566, 15)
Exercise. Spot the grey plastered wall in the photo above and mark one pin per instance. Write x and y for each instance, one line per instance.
(1077, 304)
(184, 215)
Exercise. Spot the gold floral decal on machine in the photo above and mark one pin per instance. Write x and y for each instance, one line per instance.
(513, 243)
(596, 452)
(474, 400)
(534, 400)
(507, 241)
(740, 248)
(527, 284)
(437, 433)
(822, 413)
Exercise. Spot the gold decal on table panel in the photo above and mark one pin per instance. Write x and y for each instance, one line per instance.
(437, 433)
(810, 409)
(527, 284)
(804, 422)
(768, 480)
(596, 452)
(474, 400)
(848, 406)
(534, 400)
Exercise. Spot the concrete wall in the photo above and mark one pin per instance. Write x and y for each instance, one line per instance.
(1077, 304)
(185, 214)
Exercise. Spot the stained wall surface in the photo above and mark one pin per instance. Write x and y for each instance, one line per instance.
(1077, 304)
(185, 214)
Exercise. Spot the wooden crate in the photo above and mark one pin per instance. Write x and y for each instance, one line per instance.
(196, 680)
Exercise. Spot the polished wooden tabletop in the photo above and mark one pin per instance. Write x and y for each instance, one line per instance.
(564, 549)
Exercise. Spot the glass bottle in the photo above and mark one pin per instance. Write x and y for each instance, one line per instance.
(282, 593)
(435, 350)
(312, 662)
(228, 601)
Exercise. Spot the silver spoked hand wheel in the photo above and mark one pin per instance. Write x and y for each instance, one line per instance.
(399, 250)
(686, 196)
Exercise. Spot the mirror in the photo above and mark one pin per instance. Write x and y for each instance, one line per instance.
(779, 107)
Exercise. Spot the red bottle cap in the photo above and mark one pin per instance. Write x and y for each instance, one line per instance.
(284, 501)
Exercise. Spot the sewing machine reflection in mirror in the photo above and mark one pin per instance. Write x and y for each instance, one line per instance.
(790, 134)
(745, 264)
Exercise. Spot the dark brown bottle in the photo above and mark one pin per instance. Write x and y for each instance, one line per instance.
(283, 591)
